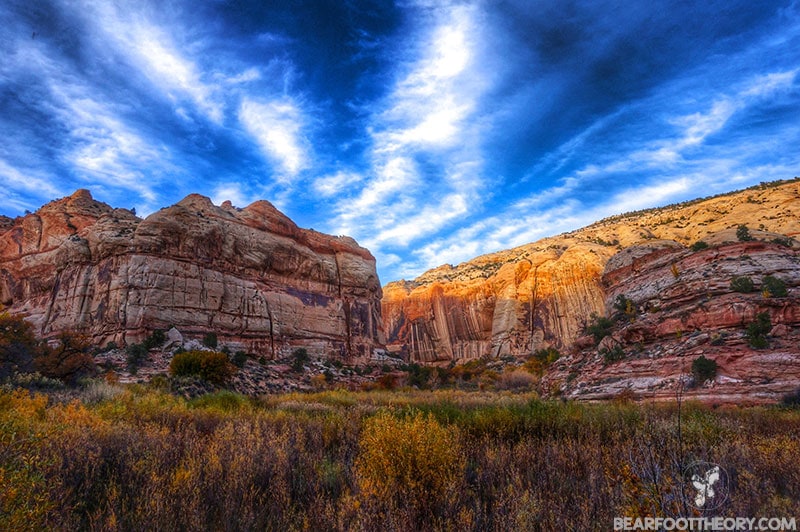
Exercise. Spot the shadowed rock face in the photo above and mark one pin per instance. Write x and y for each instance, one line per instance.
(249, 275)
(541, 294)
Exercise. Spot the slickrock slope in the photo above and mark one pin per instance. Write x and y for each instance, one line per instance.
(682, 306)
(542, 294)
(249, 275)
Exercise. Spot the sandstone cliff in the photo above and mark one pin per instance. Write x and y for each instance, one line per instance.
(249, 275)
(540, 295)
(679, 305)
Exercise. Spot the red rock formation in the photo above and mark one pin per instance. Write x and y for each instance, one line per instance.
(537, 299)
(249, 275)
(683, 307)
(539, 295)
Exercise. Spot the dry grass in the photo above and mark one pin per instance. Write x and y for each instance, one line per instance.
(135, 459)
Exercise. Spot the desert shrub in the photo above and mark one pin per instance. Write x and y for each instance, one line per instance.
(742, 284)
(68, 361)
(239, 359)
(96, 391)
(625, 307)
(599, 327)
(612, 354)
(703, 369)
(538, 362)
(772, 286)
(743, 234)
(33, 381)
(782, 241)
(418, 375)
(387, 381)
(210, 340)
(699, 245)
(156, 339)
(110, 346)
(223, 401)
(516, 381)
(211, 366)
(792, 399)
(319, 382)
(299, 358)
(18, 345)
(414, 460)
(758, 330)
(135, 354)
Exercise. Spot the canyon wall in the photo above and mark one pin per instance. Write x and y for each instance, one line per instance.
(249, 275)
(514, 302)
(679, 304)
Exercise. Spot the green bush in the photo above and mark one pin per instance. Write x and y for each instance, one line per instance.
(211, 366)
(792, 399)
(613, 354)
(758, 330)
(743, 234)
(742, 284)
(703, 369)
(418, 375)
(699, 245)
(625, 306)
(210, 340)
(299, 358)
(135, 354)
(239, 359)
(538, 362)
(599, 327)
(773, 287)
(156, 339)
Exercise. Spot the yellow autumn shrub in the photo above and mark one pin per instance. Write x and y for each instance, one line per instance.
(413, 458)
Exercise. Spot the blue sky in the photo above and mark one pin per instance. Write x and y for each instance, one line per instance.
(431, 132)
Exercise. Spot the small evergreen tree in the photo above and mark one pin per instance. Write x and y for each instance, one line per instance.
(758, 330)
(773, 287)
(743, 234)
(703, 369)
(742, 284)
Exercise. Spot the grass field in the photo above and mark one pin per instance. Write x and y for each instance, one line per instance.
(136, 458)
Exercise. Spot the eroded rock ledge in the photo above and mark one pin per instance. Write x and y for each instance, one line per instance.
(249, 275)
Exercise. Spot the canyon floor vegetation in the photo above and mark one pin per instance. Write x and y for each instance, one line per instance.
(134, 457)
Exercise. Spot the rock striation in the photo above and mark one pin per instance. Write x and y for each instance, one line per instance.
(539, 295)
(249, 275)
(672, 305)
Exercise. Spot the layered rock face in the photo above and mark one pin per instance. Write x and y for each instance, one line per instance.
(542, 294)
(682, 306)
(249, 275)
(537, 299)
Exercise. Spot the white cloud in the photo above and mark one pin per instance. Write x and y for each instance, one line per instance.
(156, 52)
(231, 192)
(166, 68)
(331, 185)
(28, 180)
(251, 74)
(430, 219)
(426, 163)
(276, 127)
(636, 198)
(430, 103)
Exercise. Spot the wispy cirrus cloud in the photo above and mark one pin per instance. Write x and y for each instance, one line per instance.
(432, 131)
(277, 128)
(425, 155)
